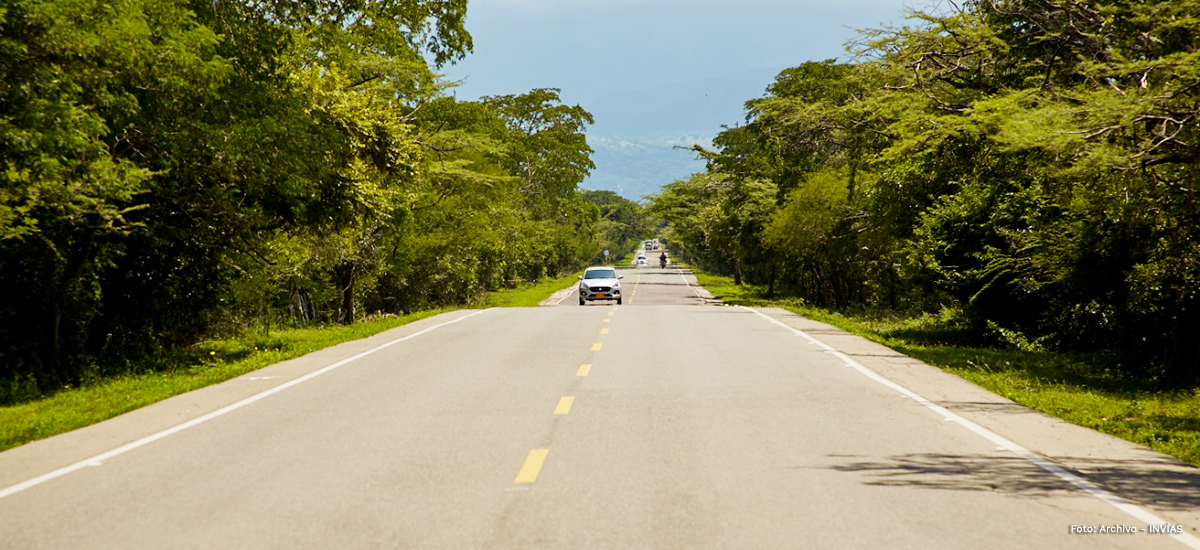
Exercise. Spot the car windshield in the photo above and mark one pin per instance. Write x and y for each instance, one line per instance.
(600, 274)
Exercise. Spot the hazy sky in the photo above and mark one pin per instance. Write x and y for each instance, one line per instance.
(592, 48)
(655, 73)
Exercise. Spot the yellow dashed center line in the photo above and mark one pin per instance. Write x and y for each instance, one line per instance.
(564, 405)
(532, 466)
(537, 457)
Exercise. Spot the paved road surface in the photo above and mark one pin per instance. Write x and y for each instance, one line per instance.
(661, 423)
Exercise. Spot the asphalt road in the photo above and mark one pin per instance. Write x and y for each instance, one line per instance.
(666, 422)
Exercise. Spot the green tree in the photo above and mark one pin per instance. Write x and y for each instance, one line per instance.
(623, 224)
(547, 147)
(154, 149)
(1031, 161)
(72, 189)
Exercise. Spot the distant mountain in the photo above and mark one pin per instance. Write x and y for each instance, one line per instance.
(636, 166)
(638, 133)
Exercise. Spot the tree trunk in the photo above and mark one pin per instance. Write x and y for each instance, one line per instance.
(58, 362)
(345, 275)
(771, 282)
(1183, 357)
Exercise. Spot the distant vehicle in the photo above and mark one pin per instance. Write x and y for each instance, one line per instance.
(641, 261)
(649, 245)
(599, 283)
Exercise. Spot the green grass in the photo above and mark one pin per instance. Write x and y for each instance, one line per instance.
(214, 362)
(1077, 388)
(529, 295)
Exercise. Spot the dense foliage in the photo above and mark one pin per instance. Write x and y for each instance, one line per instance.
(171, 169)
(622, 226)
(1032, 163)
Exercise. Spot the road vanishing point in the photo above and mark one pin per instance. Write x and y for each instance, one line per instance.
(671, 421)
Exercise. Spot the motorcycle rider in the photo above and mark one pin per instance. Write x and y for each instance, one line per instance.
(662, 260)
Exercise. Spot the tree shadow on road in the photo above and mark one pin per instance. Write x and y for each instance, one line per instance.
(1143, 481)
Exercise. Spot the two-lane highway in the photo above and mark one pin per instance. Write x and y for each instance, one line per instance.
(644, 425)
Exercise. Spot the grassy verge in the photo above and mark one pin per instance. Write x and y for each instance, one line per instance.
(215, 362)
(530, 295)
(1078, 389)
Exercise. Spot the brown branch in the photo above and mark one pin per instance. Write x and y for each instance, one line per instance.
(364, 81)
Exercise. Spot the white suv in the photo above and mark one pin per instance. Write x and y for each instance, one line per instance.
(600, 283)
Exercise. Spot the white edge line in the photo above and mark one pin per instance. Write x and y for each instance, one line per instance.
(1040, 461)
(568, 295)
(690, 287)
(14, 489)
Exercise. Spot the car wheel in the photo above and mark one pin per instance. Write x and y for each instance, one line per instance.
(581, 301)
(618, 301)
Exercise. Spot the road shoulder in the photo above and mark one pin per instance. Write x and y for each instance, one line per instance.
(559, 297)
(37, 458)
(1156, 481)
